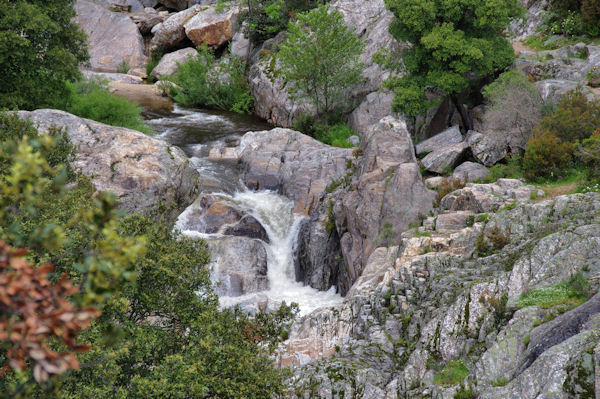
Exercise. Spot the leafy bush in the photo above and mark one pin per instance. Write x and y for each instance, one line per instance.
(575, 118)
(319, 59)
(588, 152)
(573, 17)
(546, 156)
(204, 82)
(91, 99)
(41, 47)
(161, 332)
(333, 131)
(123, 67)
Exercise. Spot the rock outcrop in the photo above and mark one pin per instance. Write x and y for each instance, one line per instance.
(211, 27)
(447, 293)
(145, 173)
(168, 63)
(113, 38)
(169, 34)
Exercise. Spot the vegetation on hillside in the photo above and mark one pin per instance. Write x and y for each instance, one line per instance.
(455, 47)
(158, 330)
(206, 82)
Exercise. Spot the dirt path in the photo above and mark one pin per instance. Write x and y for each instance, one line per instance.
(552, 192)
(519, 47)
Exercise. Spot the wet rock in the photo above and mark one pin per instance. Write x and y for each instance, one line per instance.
(446, 138)
(238, 266)
(142, 171)
(112, 37)
(486, 149)
(171, 32)
(296, 165)
(443, 160)
(168, 63)
(211, 27)
(470, 171)
(215, 214)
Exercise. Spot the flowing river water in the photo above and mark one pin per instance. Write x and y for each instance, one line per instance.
(196, 132)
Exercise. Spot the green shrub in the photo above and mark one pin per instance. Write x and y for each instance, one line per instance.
(588, 153)
(91, 99)
(575, 118)
(330, 131)
(123, 67)
(454, 373)
(153, 61)
(205, 82)
(546, 156)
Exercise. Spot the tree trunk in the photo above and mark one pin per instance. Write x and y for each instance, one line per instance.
(464, 114)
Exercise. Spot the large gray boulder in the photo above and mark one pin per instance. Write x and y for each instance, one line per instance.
(142, 171)
(485, 148)
(444, 159)
(213, 214)
(211, 27)
(171, 32)
(470, 171)
(238, 265)
(113, 38)
(375, 106)
(447, 137)
(168, 63)
(292, 163)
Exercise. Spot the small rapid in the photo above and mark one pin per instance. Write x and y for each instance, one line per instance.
(196, 133)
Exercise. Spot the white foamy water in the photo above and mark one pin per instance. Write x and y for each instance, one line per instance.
(275, 214)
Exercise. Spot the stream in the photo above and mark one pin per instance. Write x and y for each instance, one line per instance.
(196, 132)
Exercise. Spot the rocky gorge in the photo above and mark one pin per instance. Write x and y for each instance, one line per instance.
(405, 265)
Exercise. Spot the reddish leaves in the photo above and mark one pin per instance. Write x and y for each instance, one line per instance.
(34, 312)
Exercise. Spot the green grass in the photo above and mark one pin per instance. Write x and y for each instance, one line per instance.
(454, 373)
(538, 42)
(92, 100)
(573, 292)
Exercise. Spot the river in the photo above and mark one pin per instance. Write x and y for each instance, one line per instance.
(196, 132)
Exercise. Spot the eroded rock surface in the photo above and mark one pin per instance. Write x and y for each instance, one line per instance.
(212, 27)
(144, 172)
(113, 37)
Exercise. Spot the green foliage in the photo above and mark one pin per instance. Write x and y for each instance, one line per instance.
(454, 373)
(333, 131)
(319, 59)
(574, 292)
(161, 332)
(266, 18)
(204, 82)
(123, 67)
(573, 17)
(40, 48)
(91, 99)
(511, 169)
(452, 41)
(465, 393)
(153, 61)
(576, 118)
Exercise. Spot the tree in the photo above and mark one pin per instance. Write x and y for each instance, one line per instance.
(40, 48)
(319, 59)
(515, 108)
(454, 43)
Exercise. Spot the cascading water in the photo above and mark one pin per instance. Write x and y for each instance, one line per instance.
(196, 132)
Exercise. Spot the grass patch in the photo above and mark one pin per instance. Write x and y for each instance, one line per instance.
(454, 373)
(572, 293)
(538, 42)
(91, 99)
(332, 131)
